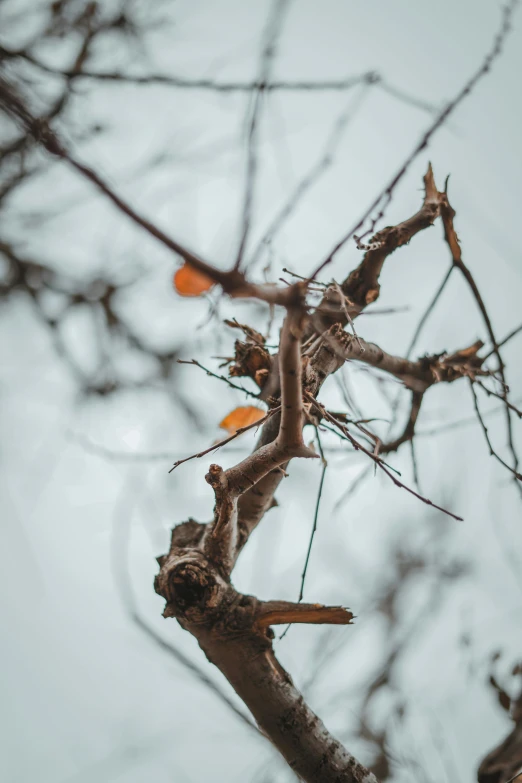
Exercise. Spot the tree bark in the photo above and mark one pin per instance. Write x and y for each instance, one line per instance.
(280, 710)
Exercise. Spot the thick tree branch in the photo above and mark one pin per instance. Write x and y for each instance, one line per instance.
(361, 287)
(254, 503)
(234, 629)
(334, 348)
(504, 763)
(222, 543)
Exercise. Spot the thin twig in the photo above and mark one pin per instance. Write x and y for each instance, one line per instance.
(117, 455)
(302, 277)
(340, 434)
(409, 430)
(414, 464)
(120, 546)
(385, 311)
(347, 314)
(357, 445)
(505, 340)
(492, 393)
(195, 363)
(385, 195)
(316, 515)
(314, 526)
(187, 663)
(450, 235)
(179, 82)
(311, 178)
(226, 440)
(492, 451)
(232, 281)
(411, 100)
(416, 335)
(428, 311)
(459, 423)
(353, 486)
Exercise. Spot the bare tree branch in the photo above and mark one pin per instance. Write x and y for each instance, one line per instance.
(384, 198)
(279, 9)
(428, 311)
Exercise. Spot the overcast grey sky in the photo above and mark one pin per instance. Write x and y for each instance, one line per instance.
(84, 696)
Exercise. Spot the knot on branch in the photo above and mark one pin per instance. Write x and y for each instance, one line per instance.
(372, 77)
(361, 287)
(216, 478)
(189, 585)
(196, 593)
(43, 135)
(449, 367)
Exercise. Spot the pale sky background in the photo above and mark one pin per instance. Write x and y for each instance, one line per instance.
(84, 696)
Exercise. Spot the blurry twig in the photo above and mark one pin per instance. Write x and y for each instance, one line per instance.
(120, 546)
(385, 196)
(195, 363)
(458, 423)
(505, 340)
(375, 458)
(353, 486)
(314, 174)
(492, 393)
(273, 29)
(428, 311)
(450, 235)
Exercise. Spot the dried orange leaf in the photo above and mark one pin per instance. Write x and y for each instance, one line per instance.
(189, 282)
(241, 417)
